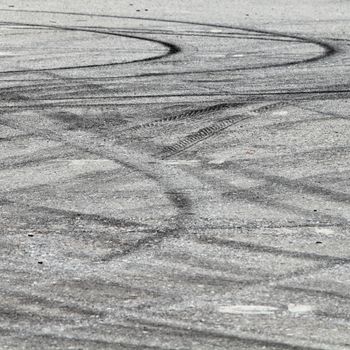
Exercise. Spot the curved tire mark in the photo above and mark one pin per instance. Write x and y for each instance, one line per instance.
(328, 49)
(172, 48)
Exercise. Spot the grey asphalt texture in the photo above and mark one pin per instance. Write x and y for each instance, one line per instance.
(175, 174)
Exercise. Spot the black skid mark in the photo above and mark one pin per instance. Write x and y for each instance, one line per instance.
(328, 49)
(172, 49)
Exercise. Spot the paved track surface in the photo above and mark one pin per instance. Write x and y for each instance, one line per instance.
(175, 175)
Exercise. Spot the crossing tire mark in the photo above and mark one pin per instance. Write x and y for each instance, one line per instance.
(186, 115)
(200, 135)
(207, 132)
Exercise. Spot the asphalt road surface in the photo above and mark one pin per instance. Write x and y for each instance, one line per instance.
(175, 174)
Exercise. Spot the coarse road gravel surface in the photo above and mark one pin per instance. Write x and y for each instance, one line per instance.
(175, 174)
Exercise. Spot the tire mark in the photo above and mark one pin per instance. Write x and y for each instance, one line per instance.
(158, 174)
(283, 159)
(78, 341)
(185, 115)
(288, 125)
(315, 292)
(251, 196)
(306, 188)
(187, 329)
(74, 215)
(209, 131)
(103, 220)
(332, 114)
(333, 261)
(342, 316)
(15, 137)
(200, 135)
(49, 303)
(154, 235)
(239, 98)
(12, 314)
(20, 161)
(235, 226)
(172, 49)
(230, 35)
(328, 49)
(254, 197)
(146, 242)
(294, 184)
(260, 248)
(271, 106)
